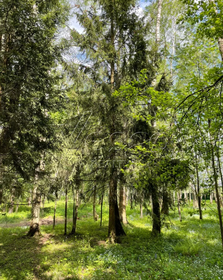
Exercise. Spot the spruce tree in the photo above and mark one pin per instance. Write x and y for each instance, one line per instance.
(29, 86)
(113, 45)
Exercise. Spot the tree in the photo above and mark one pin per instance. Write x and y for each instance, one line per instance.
(115, 50)
(29, 86)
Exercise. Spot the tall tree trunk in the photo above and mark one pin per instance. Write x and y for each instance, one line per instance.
(54, 213)
(216, 182)
(174, 197)
(65, 214)
(158, 22)
(198, 186)
(122, 201)
(178, 205)
(115, 227)
(35, 226)
(102, 198)
(156, 211)
(75, 209)
(190, 193)
(1, 195)
(220, 172)
(217, 193)
(173, 45)
(95, 215)
(1, 166)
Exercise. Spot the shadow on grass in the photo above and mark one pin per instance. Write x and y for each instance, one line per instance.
(139, 256)
(22, 257)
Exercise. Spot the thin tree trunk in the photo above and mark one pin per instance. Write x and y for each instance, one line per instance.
(198, 186)
(102, 198)
(156, 211)
(1, 195)
(217, 193)
(54, 213)
(216, 182)
(75, 209)
(158, 22)
(173, 45)
(178, 205)
(174, 197)
(220, 172)
(131, 200)
(65, 214)
(95, 215)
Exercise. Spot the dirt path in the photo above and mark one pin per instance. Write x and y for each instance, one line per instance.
(44, 221)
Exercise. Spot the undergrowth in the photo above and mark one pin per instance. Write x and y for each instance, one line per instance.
(190, 249)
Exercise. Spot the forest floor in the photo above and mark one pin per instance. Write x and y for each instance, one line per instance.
(190, 249)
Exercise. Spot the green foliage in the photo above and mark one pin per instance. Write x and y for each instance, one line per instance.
(188, 247)
(30, 87)
(208, 15)
(139, 255)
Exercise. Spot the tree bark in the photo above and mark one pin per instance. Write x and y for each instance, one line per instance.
(198, 186)
(102, 198)
(54, 213)
(217, 193)
(158, 22)
(178, 205)
(220, 172)
(75, 209)
(216, 182)
(156, 211)
(95, 215)
(65, 214)
(122, 201)
(115, 227)
(35, 226)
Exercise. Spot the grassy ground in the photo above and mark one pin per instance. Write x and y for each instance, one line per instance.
(190, 249)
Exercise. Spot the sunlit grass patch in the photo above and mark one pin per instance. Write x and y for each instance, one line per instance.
(187, 250)
(188, 247)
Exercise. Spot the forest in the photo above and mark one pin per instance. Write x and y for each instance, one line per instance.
(111, 114)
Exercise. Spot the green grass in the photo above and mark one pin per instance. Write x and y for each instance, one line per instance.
(190, 249)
